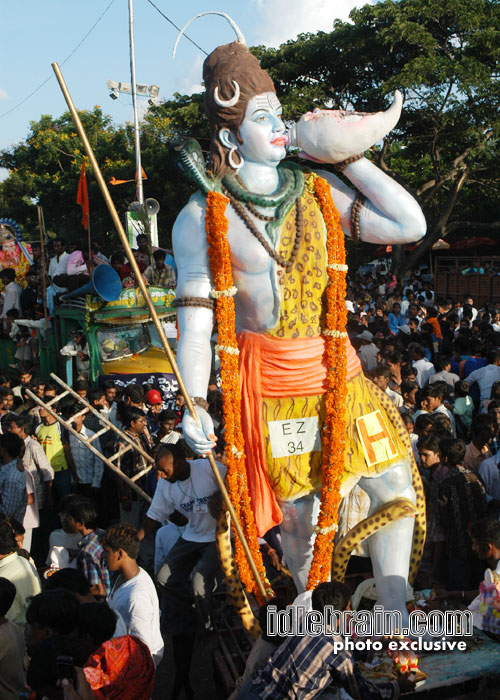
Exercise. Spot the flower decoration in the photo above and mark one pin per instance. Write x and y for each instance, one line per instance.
(216, 226)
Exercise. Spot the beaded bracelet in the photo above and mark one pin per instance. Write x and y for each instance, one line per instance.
(340, 167)
(357, 205)
(194, 301)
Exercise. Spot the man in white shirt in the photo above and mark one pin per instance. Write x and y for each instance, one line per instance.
(443, 374)
(486, 376)
(187, 487)
(368, 351)
(19, 571)
(58, 264)
(423, 367)
(133, 595)
(190, 570)
(12, 296)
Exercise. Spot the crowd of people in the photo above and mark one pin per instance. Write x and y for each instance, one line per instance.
(90, 569)
(66, 268)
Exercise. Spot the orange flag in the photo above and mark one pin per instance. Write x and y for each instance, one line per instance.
(114, 181)
(82, 197)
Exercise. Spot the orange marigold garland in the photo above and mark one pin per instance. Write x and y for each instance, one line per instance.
(216, 226)
(336, 358)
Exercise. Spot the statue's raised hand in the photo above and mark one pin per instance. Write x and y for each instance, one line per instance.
(332, 136)
(200, 438)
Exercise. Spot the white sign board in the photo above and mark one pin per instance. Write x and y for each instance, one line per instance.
(294, 437)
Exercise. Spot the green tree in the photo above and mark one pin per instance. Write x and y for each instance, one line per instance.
(444, 57)
(45, 169)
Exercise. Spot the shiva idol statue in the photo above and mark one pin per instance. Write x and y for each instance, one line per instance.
(262, 244)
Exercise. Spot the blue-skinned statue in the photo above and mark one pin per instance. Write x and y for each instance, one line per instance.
(280, 263)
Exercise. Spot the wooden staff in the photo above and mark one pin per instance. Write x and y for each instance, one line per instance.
(41, 226)
(155, 319)
(87, 444)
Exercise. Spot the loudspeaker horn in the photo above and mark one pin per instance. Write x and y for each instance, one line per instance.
(152, 206)
(105, 282)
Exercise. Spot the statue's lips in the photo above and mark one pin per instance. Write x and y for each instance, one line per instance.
(280, 141)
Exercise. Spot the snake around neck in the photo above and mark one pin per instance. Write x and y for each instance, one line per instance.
(192, 163)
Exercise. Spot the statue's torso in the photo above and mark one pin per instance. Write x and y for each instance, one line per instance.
(270, 299)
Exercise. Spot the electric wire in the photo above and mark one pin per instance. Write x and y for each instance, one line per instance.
(62, 64)
(178, 28)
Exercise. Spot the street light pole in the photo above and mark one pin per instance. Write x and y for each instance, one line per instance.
(138, 165)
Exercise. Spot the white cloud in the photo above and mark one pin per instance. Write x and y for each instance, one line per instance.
(280, 20)
(4, 95)
(191, 82)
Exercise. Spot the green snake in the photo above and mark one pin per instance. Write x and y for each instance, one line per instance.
(191, 161)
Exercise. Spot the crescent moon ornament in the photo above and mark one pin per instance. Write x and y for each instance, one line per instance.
(227, 103)
(239, 34)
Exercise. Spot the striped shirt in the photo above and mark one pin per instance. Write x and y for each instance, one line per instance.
(91, 559)
(303, 666)
(35, 461)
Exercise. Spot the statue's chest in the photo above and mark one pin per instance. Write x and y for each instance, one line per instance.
(248, 255)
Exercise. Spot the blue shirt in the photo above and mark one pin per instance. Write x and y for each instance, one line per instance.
(13, 494)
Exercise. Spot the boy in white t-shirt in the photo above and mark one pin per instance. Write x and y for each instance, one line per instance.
(133, 594)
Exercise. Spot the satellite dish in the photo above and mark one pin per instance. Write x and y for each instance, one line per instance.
(152, 206)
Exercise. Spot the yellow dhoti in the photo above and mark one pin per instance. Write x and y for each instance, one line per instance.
(282, 376)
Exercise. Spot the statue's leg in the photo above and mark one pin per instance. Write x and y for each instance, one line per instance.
(390, 548)
(297, 535)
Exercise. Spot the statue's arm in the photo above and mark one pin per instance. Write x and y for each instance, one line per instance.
(389, 214)
(194, 281)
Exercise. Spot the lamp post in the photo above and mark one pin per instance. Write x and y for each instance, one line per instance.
(138, 165)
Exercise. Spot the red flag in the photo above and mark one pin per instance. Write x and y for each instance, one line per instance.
(82, 197)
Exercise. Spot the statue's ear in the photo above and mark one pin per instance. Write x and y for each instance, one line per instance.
(227, 138)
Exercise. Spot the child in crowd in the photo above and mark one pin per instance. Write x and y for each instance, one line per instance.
(432, 474)
(82, 517)
(461, 500)
(463, 408)
(434, 402)
(483, 430)
(408, 392)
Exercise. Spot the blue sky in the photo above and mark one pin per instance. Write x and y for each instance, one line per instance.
(35, 33)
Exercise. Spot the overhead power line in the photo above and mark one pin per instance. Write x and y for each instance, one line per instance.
(62, 64)
(178, 28)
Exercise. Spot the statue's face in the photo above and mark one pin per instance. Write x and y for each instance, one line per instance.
(263, 132)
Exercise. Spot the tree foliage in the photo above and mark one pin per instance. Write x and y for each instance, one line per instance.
(444, 57)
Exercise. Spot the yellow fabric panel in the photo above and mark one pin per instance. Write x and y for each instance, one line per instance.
(301, 313)
(151, 360)
(297, 475)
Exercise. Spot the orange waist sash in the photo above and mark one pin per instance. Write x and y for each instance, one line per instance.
(276, 367)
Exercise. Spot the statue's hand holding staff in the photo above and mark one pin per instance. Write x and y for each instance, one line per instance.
(200, 438)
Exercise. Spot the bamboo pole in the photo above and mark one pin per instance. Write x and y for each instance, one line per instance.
(41, 226)
(155, 319)
(103, 419)
(106, 461)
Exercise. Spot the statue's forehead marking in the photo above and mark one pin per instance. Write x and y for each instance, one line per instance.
(268, 101)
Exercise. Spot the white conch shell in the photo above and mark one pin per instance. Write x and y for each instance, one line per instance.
(332, 136)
